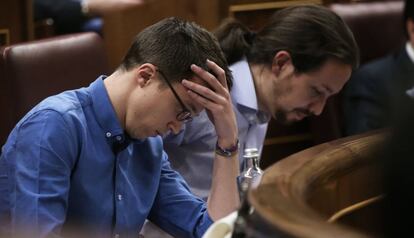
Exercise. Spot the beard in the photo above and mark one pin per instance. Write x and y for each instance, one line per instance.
(281, 116)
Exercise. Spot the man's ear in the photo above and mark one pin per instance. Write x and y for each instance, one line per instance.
(281, 60)
(145, 73)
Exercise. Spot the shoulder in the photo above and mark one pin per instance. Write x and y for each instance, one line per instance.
(68, 106)
(376, 67)
(57, 114)
(65, 101)
(44, 134)
(374, 73)
(384, 66)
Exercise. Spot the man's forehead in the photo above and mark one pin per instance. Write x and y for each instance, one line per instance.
(332, 75)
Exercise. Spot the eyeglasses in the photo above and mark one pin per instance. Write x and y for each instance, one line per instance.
(185, 114)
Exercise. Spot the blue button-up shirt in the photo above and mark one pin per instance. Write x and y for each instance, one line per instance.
(68, 163)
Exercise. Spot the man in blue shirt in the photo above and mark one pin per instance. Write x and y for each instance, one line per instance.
(90, 162)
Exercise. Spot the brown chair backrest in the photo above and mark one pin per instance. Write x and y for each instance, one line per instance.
(377, 26)
(32, 71)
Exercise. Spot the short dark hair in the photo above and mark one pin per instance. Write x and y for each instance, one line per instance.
(312, 34)
(173, 45)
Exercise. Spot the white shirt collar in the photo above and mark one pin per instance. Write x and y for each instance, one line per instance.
(243, 91)
(410, 51)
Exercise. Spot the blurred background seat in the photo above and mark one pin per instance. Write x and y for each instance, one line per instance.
(378, 30)
(31, 71)
(377, 26)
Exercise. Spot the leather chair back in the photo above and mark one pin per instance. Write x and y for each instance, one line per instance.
(377, 26)
(32, 71)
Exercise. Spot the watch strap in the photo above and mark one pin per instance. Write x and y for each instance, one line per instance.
(227, 152)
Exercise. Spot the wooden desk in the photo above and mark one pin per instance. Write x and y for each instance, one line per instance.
(298, 194)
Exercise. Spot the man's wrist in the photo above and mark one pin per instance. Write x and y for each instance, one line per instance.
(228, 151)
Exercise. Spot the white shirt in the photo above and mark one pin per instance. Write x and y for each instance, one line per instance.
(410, 52)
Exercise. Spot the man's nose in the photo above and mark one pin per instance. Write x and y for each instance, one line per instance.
(317, 107)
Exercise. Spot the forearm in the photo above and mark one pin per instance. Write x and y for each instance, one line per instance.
(216, 100)
(224, 197)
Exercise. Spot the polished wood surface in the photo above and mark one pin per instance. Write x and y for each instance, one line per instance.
(298, 194)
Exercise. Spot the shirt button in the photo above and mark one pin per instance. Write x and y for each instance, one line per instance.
(116, 236)
(108, 134)
(118, 138)
(119, 197)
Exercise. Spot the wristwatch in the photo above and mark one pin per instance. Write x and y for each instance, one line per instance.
(227, 152)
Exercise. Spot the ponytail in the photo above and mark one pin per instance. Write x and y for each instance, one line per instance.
(311, 34)
(235, 39)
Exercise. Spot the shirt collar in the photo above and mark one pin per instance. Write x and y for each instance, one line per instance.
(104, 112)
(410, 51)
(244, 93)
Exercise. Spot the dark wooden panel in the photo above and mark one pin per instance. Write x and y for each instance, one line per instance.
(16, 17)
(121, 27)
